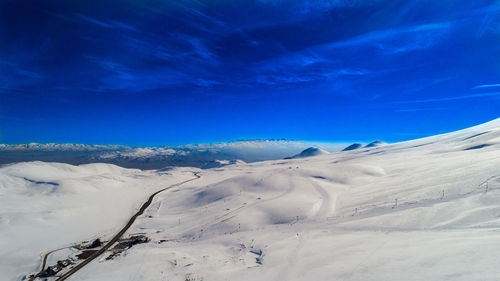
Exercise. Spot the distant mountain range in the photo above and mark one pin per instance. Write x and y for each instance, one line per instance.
(196, 155)
(59, 147)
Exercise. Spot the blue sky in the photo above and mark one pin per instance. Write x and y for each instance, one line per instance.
(174, 72)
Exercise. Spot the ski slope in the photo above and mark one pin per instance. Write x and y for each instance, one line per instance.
(425, 209)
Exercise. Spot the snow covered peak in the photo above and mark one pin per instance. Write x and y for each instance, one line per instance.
(309, 152)
(375, 143)
(353, 147)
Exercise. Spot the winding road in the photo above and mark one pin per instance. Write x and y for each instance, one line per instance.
(117, 235)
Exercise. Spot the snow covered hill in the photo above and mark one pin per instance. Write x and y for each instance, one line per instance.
(425, 209)
(353, 147)
(375, 143)
(309, 152)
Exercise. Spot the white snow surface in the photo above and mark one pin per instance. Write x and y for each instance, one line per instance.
(44, 206)
(426, 209)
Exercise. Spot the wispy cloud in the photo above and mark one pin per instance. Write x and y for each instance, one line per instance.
(201, 20)
(138, 81)
(408, 38)
(152, 50)
(15, 78)
(485, 86)
(350, 71)
(420, 109)
(282, 79)
(294, 60)
(463, 97)
(199, 49)
(322, 62)
(109, 24)
(119, 76)
(178, 47)
(299, 67)
(206, 83)
(490, 19)
(28, 74)
(297, 76)
(312, 7)
(424, 84)
(9, 90)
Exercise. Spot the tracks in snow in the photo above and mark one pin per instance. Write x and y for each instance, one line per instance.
(387, 207)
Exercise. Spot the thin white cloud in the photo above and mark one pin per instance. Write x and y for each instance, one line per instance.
(420, 109)
(206, 82)
(485, 86)
(313, 6)
(427, 36)
(81, 18)
(294, 67)
(107, 24)
(472, 96)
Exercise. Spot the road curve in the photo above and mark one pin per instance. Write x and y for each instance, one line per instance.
(43, 262)
(122, 231)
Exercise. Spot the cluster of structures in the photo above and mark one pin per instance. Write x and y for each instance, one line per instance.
(85, 250)
(54, 269)
(127, 243)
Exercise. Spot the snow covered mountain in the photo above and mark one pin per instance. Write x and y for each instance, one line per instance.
(309, 152)
(375, 143)
(425, 209)
(200, 155)
(353, 147)
(59, 147)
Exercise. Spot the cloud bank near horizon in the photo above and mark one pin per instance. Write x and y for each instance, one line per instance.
(200, 155)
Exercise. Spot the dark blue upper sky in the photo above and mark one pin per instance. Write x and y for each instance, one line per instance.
(148, 72)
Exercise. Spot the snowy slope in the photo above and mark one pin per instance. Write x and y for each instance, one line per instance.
(419, 210)
(44, 206)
